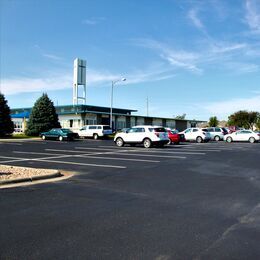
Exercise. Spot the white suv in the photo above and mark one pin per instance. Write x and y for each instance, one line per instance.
(196, 134)
(95, 131)
(144, 134)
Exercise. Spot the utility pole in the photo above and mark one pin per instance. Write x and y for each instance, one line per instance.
(147, 106)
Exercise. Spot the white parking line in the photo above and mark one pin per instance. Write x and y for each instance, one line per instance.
(113, 151)
(84, 164)
(91, 156)
(10, 143)
(165, 150)
(49, 159)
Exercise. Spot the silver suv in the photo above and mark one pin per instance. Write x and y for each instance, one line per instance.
(216, 133)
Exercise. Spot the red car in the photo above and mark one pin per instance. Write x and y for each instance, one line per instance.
(175, 137)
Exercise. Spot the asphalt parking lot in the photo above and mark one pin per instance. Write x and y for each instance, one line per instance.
(191, 201)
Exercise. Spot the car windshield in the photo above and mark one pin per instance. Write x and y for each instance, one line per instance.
(174, 131)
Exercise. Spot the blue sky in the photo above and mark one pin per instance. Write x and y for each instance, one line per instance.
(201, 58)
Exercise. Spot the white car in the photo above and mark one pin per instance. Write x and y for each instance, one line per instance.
(196, 134)
(144, 134)
(95, 131)
(242, 135)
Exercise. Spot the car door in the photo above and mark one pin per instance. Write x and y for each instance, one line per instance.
(135, 135)
(91, 130)
(194, 133)
(188, 134)
(82, 131)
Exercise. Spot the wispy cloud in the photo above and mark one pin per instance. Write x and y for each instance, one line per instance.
(253, 15)
(57, 81)
(51, 56)
(223, 109)
(193, 16)
(176, 58)
(93, 20)
(46, 54)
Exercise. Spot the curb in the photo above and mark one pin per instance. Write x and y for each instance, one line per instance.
(31, 179)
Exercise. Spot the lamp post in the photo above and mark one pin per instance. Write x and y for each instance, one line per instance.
(111, 101)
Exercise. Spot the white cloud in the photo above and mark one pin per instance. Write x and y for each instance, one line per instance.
(177, 58)
(223, 109)
(193, 16)
(93, 21)
(253, 15)
(65, 80)
(227, 47)
(51, 56)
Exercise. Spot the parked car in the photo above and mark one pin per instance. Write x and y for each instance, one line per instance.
(242, 135)
(95, 131)
(224, 130)
(216, 133)
(144, 134)
(59, 134)
(196, 134)
(175, 137)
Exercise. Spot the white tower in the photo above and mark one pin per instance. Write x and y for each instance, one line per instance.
(79, 80)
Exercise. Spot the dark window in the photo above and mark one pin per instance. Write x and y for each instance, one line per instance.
(71, 123)
(99, 127)
(106, 127)
(157, 129)
(195, 130)
(92, 127)
(217, 129)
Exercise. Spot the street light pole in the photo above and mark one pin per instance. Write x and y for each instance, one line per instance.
(111, 100)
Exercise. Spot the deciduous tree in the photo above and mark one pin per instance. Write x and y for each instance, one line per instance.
(244, 119)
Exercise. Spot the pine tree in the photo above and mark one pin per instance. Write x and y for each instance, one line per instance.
(43, 117)
(6, 124)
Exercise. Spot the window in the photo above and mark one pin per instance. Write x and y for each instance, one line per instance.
(195, 130)
(217, 129)
(92, 127)
(187, 131)
(71, 123)
(99, 127)
(210, 129)
(106, 127)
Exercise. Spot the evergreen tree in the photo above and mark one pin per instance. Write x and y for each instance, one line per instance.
(43, 117)
(6, 124)
(213, 121)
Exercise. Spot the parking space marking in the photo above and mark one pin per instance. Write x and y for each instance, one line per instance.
(92, 156)
(170, 150)
(49, 159)
(13, 143)
(83, 164)
(123, 152)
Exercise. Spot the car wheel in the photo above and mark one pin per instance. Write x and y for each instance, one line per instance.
(229, 139)
(251, 140)
(60, 138)
(43, 137)
(119, 142)
(95, 136)
(217, 138)
(147, 143)
(199, 139)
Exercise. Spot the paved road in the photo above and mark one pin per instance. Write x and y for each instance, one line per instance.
(195, 201)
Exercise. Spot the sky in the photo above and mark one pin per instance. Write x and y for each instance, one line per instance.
(195, 57)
